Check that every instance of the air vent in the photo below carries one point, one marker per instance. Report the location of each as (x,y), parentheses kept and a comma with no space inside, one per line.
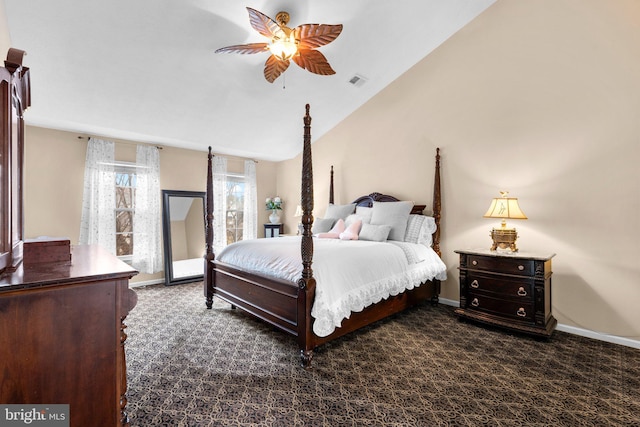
(357,80)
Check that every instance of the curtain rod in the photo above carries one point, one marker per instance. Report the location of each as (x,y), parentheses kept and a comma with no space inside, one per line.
(159,147)
(234,157)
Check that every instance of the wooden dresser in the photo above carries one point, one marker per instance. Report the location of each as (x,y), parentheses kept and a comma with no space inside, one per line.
(510,290)
(62,337)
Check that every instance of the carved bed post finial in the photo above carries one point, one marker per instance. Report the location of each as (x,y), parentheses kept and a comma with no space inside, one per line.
(437,204)
(209,255)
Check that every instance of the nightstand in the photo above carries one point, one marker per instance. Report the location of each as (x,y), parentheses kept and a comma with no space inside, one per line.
(273,230)
(510,290)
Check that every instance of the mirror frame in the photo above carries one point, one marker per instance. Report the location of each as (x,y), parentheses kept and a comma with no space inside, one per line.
(169,279)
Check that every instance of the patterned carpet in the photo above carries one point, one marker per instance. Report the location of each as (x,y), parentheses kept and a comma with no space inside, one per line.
(189,366)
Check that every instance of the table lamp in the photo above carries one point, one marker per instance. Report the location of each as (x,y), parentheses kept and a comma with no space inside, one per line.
(504,207)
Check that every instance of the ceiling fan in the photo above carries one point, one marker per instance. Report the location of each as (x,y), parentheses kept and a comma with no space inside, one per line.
(297,44)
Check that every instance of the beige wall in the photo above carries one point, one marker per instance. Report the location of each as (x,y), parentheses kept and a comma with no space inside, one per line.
(54,173)
(540,98)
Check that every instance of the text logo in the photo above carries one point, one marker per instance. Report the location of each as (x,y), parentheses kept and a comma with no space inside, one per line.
(34,415)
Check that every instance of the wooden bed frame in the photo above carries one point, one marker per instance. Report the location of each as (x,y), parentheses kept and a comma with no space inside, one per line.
(287,305)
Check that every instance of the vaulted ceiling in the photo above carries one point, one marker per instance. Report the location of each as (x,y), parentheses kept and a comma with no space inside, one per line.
(145,70)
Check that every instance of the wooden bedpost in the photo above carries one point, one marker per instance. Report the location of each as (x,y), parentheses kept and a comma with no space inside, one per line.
(307,283)
(209,255)
(437,208)
(331,187)
(437,205)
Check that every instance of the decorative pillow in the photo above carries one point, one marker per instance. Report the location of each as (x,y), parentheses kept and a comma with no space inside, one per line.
(334,233)
(420,229)
(339,211)
(394,214)
(351,232)
(375,233)
(365,213)
(322,225)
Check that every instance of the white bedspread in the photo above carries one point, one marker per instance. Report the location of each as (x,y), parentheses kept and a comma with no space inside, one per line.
(350,274)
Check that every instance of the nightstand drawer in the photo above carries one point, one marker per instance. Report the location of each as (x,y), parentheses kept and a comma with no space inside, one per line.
(517,310)
(521,289)
(503,265)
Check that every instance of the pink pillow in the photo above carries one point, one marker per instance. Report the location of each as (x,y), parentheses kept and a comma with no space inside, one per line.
(335,232)
(351,233)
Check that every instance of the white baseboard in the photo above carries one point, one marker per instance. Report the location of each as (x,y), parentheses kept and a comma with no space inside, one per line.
(451,302)
(598,336)
(573,330)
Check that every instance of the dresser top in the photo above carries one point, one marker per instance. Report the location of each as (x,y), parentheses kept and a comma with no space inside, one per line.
(541,256)
(88,262)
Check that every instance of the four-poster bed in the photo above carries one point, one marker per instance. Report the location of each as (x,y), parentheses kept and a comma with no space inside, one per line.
(287,304)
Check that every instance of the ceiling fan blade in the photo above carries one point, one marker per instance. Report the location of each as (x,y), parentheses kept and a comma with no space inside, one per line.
(315,35)
(244,48)
(274,67)
(263,24)
(313,61)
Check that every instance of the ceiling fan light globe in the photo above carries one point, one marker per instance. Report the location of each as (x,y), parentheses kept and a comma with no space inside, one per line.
(283,49)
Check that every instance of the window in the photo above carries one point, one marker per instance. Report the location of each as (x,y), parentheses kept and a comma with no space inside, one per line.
(235,207)
(125,187)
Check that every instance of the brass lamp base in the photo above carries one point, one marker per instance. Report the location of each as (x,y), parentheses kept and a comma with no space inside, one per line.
(504,238)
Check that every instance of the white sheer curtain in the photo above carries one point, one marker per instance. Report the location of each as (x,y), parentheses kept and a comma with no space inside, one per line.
(219,203)
(250,208)
(98,221)
(147,222)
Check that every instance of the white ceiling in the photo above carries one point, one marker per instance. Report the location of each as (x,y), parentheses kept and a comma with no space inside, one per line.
(145,70)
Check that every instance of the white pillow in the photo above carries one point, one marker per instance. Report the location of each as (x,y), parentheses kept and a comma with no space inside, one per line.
(339,211)
(375,233)
(394,214)
(322,225)
(365,213)
(420,229)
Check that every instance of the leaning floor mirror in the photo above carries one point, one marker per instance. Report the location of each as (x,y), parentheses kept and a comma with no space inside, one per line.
(184,238)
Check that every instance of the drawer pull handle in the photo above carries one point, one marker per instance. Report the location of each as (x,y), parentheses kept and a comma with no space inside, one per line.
(475,284)
(474,262)
(521,312)
(475,302)
(522,292)
(521,267)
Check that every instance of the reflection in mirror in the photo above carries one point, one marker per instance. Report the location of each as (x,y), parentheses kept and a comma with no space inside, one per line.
(184,239)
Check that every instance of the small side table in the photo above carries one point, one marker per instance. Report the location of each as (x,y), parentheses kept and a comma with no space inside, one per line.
(510,290)
(273,230)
